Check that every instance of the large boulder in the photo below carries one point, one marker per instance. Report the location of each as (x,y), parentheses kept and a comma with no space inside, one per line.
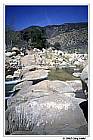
(55,86)
(84,75)
(43,88)
(47,108)
(75,84)
(22,85)
(29,68)
(50,115)
(35,75)
(84,79)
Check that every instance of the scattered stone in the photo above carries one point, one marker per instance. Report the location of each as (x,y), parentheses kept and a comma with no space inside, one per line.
(76,74)
(8,54)
(15,49)
(9,78)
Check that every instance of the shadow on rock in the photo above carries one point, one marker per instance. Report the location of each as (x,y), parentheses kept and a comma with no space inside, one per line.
(80,94)
(84,107)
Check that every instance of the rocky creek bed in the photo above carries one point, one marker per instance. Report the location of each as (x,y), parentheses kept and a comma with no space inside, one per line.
(47,102)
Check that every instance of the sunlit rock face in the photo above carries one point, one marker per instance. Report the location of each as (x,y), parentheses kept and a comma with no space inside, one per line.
(46,109)
(46,87)
(75,84)
(84,79)
(34,75)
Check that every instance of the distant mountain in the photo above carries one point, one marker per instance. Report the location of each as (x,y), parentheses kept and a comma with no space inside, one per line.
(70,36)
(54,30)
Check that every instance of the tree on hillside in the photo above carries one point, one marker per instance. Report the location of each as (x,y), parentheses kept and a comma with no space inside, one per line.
(57,46)
(35,38)
(9,37)
(13,39)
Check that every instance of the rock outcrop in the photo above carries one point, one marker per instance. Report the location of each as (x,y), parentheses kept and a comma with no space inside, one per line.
(84,79)
(84,75)
(35,75)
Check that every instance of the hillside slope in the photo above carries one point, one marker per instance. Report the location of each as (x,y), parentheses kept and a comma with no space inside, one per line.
(71,36)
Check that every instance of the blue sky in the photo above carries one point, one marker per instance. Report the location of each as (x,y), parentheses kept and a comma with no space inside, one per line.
(21,17)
